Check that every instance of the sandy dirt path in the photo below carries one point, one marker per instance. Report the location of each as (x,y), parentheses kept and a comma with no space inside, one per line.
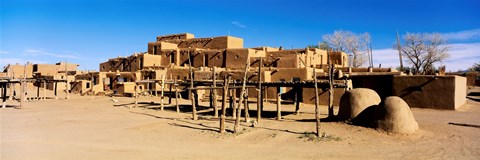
(97,128)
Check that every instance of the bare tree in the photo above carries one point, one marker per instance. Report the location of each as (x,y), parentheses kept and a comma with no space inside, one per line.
(347,41)
(475,67)
(423,50)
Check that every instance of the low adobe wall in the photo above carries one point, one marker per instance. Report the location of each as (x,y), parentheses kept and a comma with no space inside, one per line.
(438,92)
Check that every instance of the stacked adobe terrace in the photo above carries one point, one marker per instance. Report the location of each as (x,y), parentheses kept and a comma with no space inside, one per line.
(178,57)
(172,55)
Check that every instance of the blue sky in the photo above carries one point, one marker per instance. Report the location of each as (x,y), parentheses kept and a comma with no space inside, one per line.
(88,32)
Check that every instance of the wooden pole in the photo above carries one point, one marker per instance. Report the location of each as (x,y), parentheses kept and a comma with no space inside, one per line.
(279,104)
(170,93)
(245,107)
(4,95)
(55,92)
(136,95)
(11,85)
(44,89)
(234,103)
(91,86)
(22,93)
(330,92)
(66,82)
(242,94)
(162,105)
(214,78)
(297,99)
(24,86)
(38,89)
(259,96)
(176,97)
(317,109)
(224,104)
(192,95)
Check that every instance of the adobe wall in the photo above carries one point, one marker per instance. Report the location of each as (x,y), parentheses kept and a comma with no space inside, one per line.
(438,92)
(382,84)
(181,73)
(209,43)
(17,70)
(282,59)
(149,60)
(308,96)
(175,36)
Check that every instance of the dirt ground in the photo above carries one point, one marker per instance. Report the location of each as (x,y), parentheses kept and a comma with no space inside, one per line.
(85,127)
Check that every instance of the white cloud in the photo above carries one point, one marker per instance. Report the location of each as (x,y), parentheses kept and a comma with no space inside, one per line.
(462,56)
(5,61)
(41,52)
(238,24)
(463,35)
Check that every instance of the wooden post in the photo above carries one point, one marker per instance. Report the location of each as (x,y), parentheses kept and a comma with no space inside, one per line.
(24,86)
(317,109)
(91,86)
(44,89)
(176,97)
(279,104)
(330,92)
(12,88)
(234,103)
(224,104)
(11,85)
(155,89)
(38,90)
(136,95)
(22,93)
(192,95)
(215,108)
(259,96)
(170,93)
(242,94)
(4,95)
(55,92)
(245,107)
(162,105)
(297,99)
(66,82)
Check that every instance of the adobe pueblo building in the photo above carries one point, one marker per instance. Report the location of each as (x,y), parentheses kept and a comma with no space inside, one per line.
(202,66)
(178,58)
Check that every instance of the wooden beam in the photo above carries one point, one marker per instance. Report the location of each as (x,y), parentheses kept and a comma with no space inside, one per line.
(162,105)
(242,94)
(193,98)
(136,95)
(224,105)
(259,89)
(279,104)
(330,91)
(214,99)
(66,82)
(245,107)
(176,99)
(317,109)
